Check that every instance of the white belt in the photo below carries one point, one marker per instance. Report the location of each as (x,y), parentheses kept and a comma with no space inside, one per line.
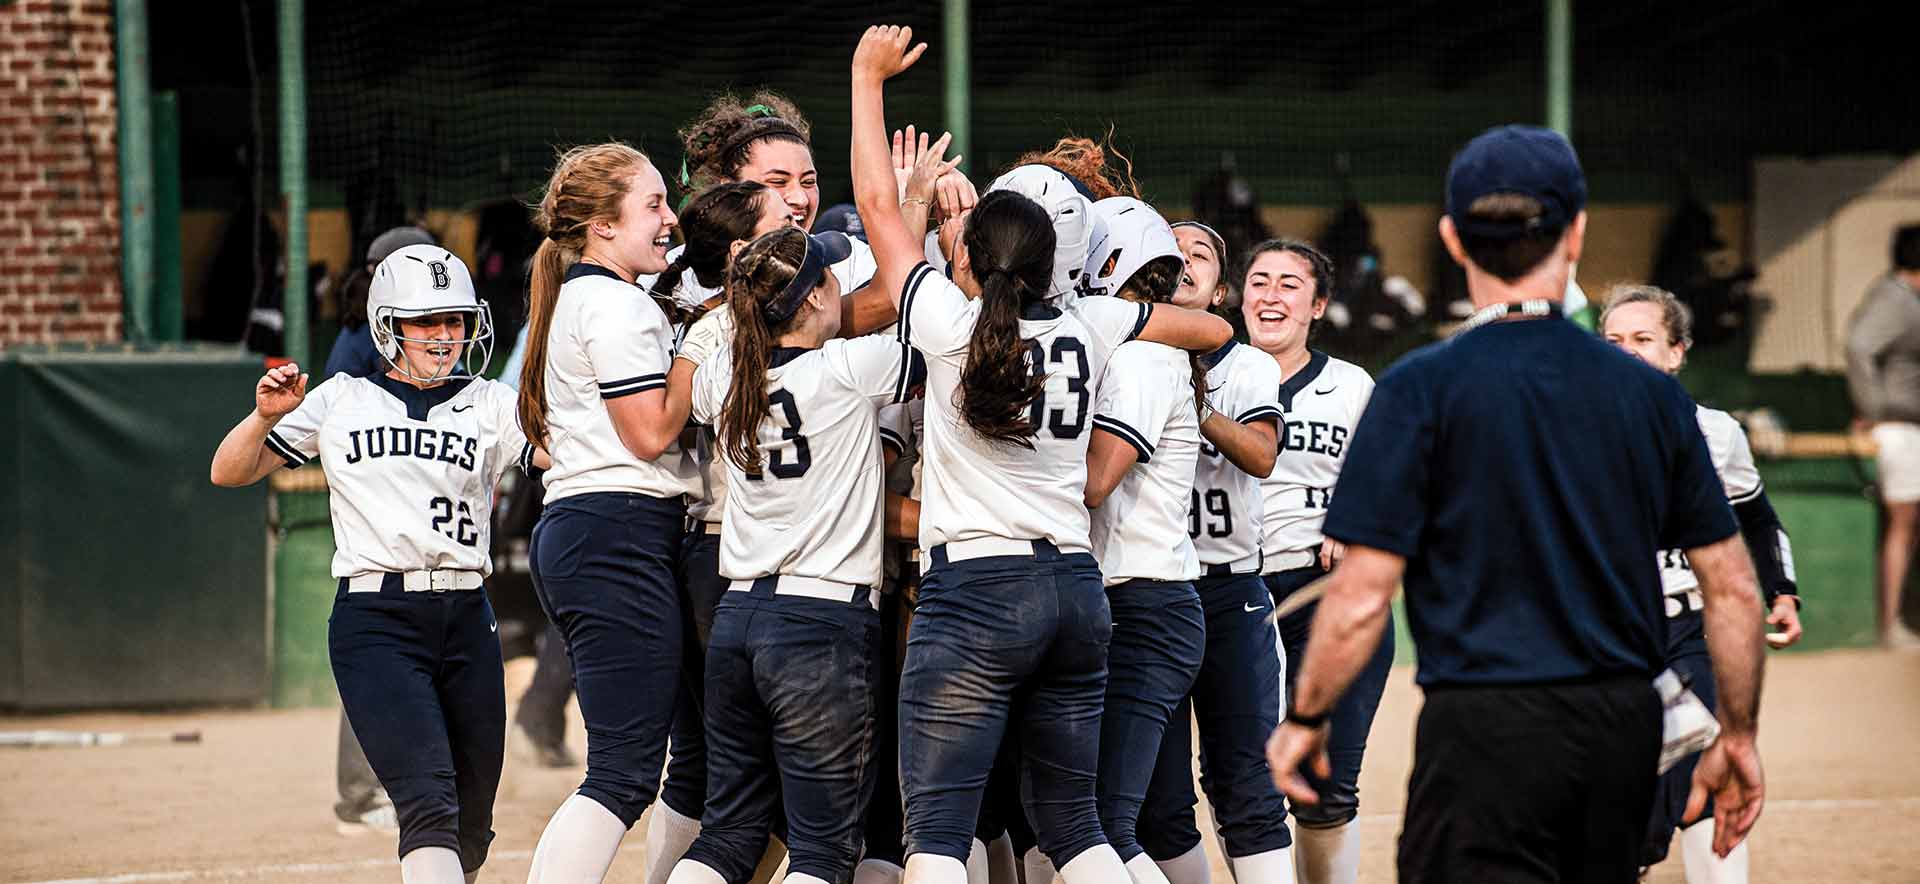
(1288,561)
(811,588)
(1680,603)
(710,528)
(418,581)
(987,547)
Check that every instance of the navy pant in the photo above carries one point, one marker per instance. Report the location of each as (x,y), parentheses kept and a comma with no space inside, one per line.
(886,818)
(1159,639)
(789,699)
(1687,657)
(1352,715)
(987,631)
(422,682)
(701,588)
(1236,700)
(603,567)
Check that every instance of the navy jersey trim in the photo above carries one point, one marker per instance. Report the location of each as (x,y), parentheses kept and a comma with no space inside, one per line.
(418,401)
(1212,359)
(526,458)
(1039,311)
(1748,497)
(1316,363)
(287,452)
(783,355)
(1140,323)
(891,439)
(914,277)
(632,385)
(913,373)
(1126,434)
(1260,413)
(582,269)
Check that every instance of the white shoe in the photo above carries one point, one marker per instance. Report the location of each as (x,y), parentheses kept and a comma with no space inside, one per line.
(1899,638)
(379,819)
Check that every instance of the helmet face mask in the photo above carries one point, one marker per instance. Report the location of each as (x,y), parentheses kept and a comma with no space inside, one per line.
(424,280)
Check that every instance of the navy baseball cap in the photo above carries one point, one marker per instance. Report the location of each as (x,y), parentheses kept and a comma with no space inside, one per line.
(1525,160)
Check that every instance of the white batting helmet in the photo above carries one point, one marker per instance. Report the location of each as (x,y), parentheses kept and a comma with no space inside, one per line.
(1132,235)
(1072,215)
(421,280)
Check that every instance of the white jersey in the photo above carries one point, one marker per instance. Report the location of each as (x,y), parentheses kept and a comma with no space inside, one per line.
(975,488)
(1225,511)
(1323,402)
(900,430)
(608,340)
(410,472)
(1146,400)
(1733,460)
(814,508)
(853,271)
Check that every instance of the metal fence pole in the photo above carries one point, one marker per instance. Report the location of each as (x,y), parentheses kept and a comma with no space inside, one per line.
(293,174)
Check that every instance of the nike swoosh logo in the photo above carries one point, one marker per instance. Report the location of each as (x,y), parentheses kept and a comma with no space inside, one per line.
(1325,391)
(460,408)
(1252,608)
(493,627)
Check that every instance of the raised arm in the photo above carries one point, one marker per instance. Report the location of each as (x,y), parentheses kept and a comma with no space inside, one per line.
(243,457)
(1195,331)
(884,51)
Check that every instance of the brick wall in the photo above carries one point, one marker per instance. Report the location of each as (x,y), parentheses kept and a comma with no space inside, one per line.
(59,178)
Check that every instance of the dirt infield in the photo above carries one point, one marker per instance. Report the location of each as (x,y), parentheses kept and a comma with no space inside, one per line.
(252,802)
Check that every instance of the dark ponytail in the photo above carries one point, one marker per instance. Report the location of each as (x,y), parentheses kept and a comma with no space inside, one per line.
(760,272)
(1009,241)
(709,226)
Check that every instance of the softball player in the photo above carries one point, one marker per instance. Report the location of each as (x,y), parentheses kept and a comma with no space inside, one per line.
(1140,468)
(1652,324)
(1011,600)
(412,457)
(789,687)
(1286,288)
(598,388)
(1236,696)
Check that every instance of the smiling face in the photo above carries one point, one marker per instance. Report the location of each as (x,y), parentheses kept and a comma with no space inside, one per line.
(1200,283)
(1640,329)
(1280,301)
(637,241)
(787,167)
(430,346)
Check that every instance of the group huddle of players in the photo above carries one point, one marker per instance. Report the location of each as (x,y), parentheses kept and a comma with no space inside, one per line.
(922,548)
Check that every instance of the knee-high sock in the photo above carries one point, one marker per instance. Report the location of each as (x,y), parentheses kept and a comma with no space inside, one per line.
(876,871)
(689,871)
(1035,868)
(929,868)
(769,862)
(431,865)
(1269,867)
(1328,856)
(1096,865)
(1703,867)
(578,845)
(1191,867)
(1002,866)
(669,834)
(1143,870)
(977,863)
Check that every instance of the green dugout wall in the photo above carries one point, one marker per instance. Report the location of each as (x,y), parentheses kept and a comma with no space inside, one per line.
(126,578)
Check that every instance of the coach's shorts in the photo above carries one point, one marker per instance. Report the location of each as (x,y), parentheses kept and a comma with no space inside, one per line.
(1899,461)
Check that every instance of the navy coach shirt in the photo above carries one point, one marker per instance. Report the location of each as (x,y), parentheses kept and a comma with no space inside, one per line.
(1530,473)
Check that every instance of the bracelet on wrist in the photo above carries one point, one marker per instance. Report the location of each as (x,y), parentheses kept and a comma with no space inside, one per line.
(916,200)
(1308,721)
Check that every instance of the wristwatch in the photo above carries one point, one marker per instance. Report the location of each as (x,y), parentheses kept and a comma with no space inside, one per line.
(1308,721)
